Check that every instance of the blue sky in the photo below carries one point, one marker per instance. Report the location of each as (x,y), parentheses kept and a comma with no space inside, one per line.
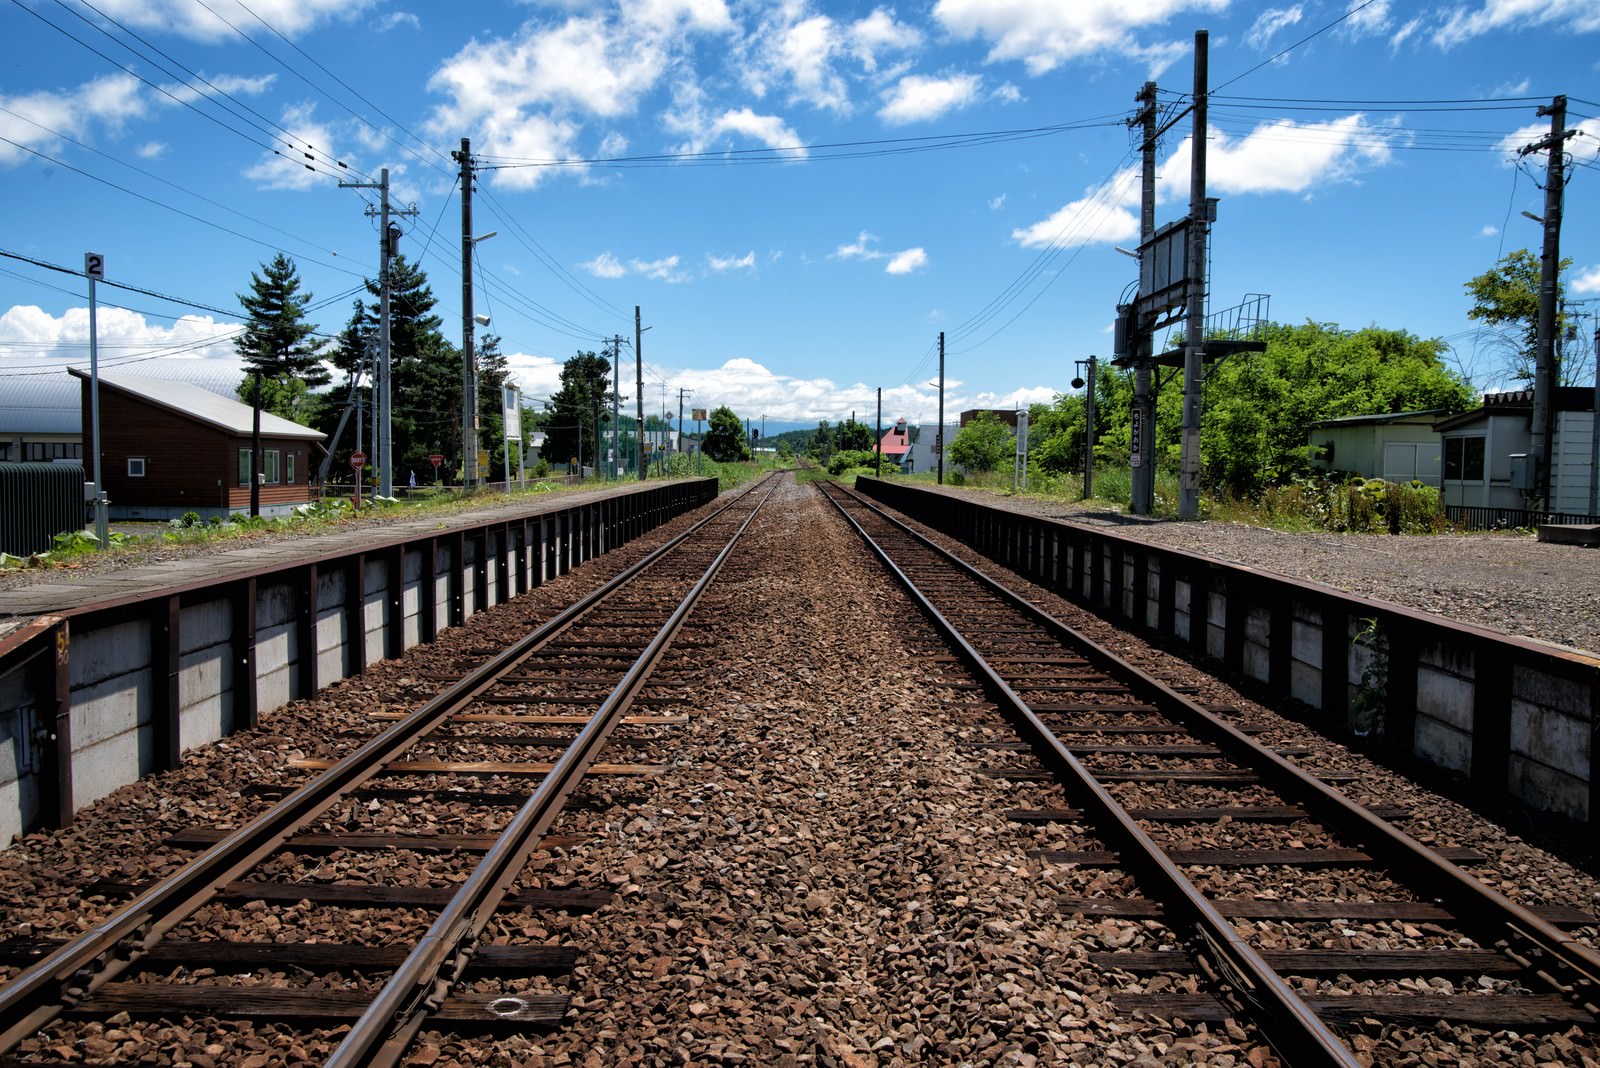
(799,195)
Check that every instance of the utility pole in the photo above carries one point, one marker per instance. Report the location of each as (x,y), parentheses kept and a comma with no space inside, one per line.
(469,366)
(638,385)
(938,438)
(388,248)
(1594,433)
(255,448)
(1142,341)
(681,394)
(616,391)
(1544,366)
(94,268)
(1195,296)
(878,448)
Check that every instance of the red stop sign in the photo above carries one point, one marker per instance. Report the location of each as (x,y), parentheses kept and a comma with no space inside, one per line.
(358,459)
(435,459)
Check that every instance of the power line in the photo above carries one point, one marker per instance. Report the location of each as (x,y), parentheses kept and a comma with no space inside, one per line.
(347,87)
(803,153)
(1279,55)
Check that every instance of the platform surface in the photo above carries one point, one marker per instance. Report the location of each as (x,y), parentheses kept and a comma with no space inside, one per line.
(56,590)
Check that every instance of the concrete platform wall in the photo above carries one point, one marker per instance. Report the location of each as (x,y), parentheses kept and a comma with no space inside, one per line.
(1515,717)
(95,698)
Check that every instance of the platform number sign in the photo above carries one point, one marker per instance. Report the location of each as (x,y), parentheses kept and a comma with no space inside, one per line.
(94,265)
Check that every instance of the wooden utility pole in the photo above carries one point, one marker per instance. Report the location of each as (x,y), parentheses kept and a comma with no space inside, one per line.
(1195,297)
(878,448)
(469,366)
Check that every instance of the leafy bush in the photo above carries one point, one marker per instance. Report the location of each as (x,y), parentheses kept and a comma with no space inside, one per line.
(848,458)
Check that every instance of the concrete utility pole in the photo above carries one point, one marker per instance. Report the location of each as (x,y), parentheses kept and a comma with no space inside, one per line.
(878,448)
(1143,341)
(638,384)
(1544,365)
(388,248)
(681,394)
(938,439)
(1195,297)
(469,366)
(616,396)
(1594,433)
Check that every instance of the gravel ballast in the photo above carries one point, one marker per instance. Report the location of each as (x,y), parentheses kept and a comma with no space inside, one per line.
(821,876)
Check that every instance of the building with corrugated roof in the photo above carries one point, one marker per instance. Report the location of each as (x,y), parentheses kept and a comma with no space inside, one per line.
(170,447)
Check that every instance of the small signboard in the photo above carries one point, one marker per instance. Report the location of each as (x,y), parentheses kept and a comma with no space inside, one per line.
(358,460)
(511,412)
(698,415)
(435,459)
(1135,456)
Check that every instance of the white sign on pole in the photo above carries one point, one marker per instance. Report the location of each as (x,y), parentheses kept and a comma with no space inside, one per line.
(511,409)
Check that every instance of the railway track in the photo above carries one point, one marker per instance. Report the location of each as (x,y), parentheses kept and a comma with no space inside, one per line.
(1316,919)
(458,780)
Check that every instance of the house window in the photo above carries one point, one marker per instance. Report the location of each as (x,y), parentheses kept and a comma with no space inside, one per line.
(288,467)
(269,467)
(45,451)
(136,467)
(1463,459)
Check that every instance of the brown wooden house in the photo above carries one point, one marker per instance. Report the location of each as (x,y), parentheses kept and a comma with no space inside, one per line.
(170,448)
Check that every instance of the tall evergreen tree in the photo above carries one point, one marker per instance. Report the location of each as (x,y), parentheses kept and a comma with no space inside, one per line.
(570,428)
(277,340)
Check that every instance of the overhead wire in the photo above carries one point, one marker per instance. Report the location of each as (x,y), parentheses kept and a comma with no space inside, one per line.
(157,87)
(343,84)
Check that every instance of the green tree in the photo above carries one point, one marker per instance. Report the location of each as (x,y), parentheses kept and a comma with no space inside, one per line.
(1507,297)
(1259,409)
(725,436)
(821,445)
(983,444)
(277,340)
(853,436)
(570,426)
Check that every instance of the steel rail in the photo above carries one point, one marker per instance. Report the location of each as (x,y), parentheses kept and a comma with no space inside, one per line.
(1570,967)
(385,1031)
(1290,1025)
(30,999)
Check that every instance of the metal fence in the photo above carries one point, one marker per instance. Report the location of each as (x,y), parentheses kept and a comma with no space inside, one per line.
(1508,518)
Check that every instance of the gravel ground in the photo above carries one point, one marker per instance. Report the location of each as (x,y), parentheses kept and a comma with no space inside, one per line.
(1503,581)
(822,876)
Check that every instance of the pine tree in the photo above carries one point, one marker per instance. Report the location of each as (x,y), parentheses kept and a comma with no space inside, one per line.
(277,340)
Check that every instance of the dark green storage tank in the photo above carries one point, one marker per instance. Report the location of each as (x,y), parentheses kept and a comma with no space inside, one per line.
(37,502)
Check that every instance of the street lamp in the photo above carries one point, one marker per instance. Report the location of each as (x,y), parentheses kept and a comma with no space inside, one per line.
(1092,365)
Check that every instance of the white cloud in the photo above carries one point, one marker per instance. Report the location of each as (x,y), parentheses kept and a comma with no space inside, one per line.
(152,149)
(1106,215)
(859,249)
(192,20)
(1270,23)
(1464,22)
(1587,281)
(917,98)
(688,118)
(231,84)
(1278,157)
(1584,148)
(806,54)
(108,101)
(1007,94)
(996,203)
(1369,21)
(33,340)
(396,19)
(1044,34)
(1489,230)
(288,168)
(878,33)
(747,262)
(907,261)
(612,145)
(605,265)
(1284,157)
(1405,33)
(527,95)
(662,270)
